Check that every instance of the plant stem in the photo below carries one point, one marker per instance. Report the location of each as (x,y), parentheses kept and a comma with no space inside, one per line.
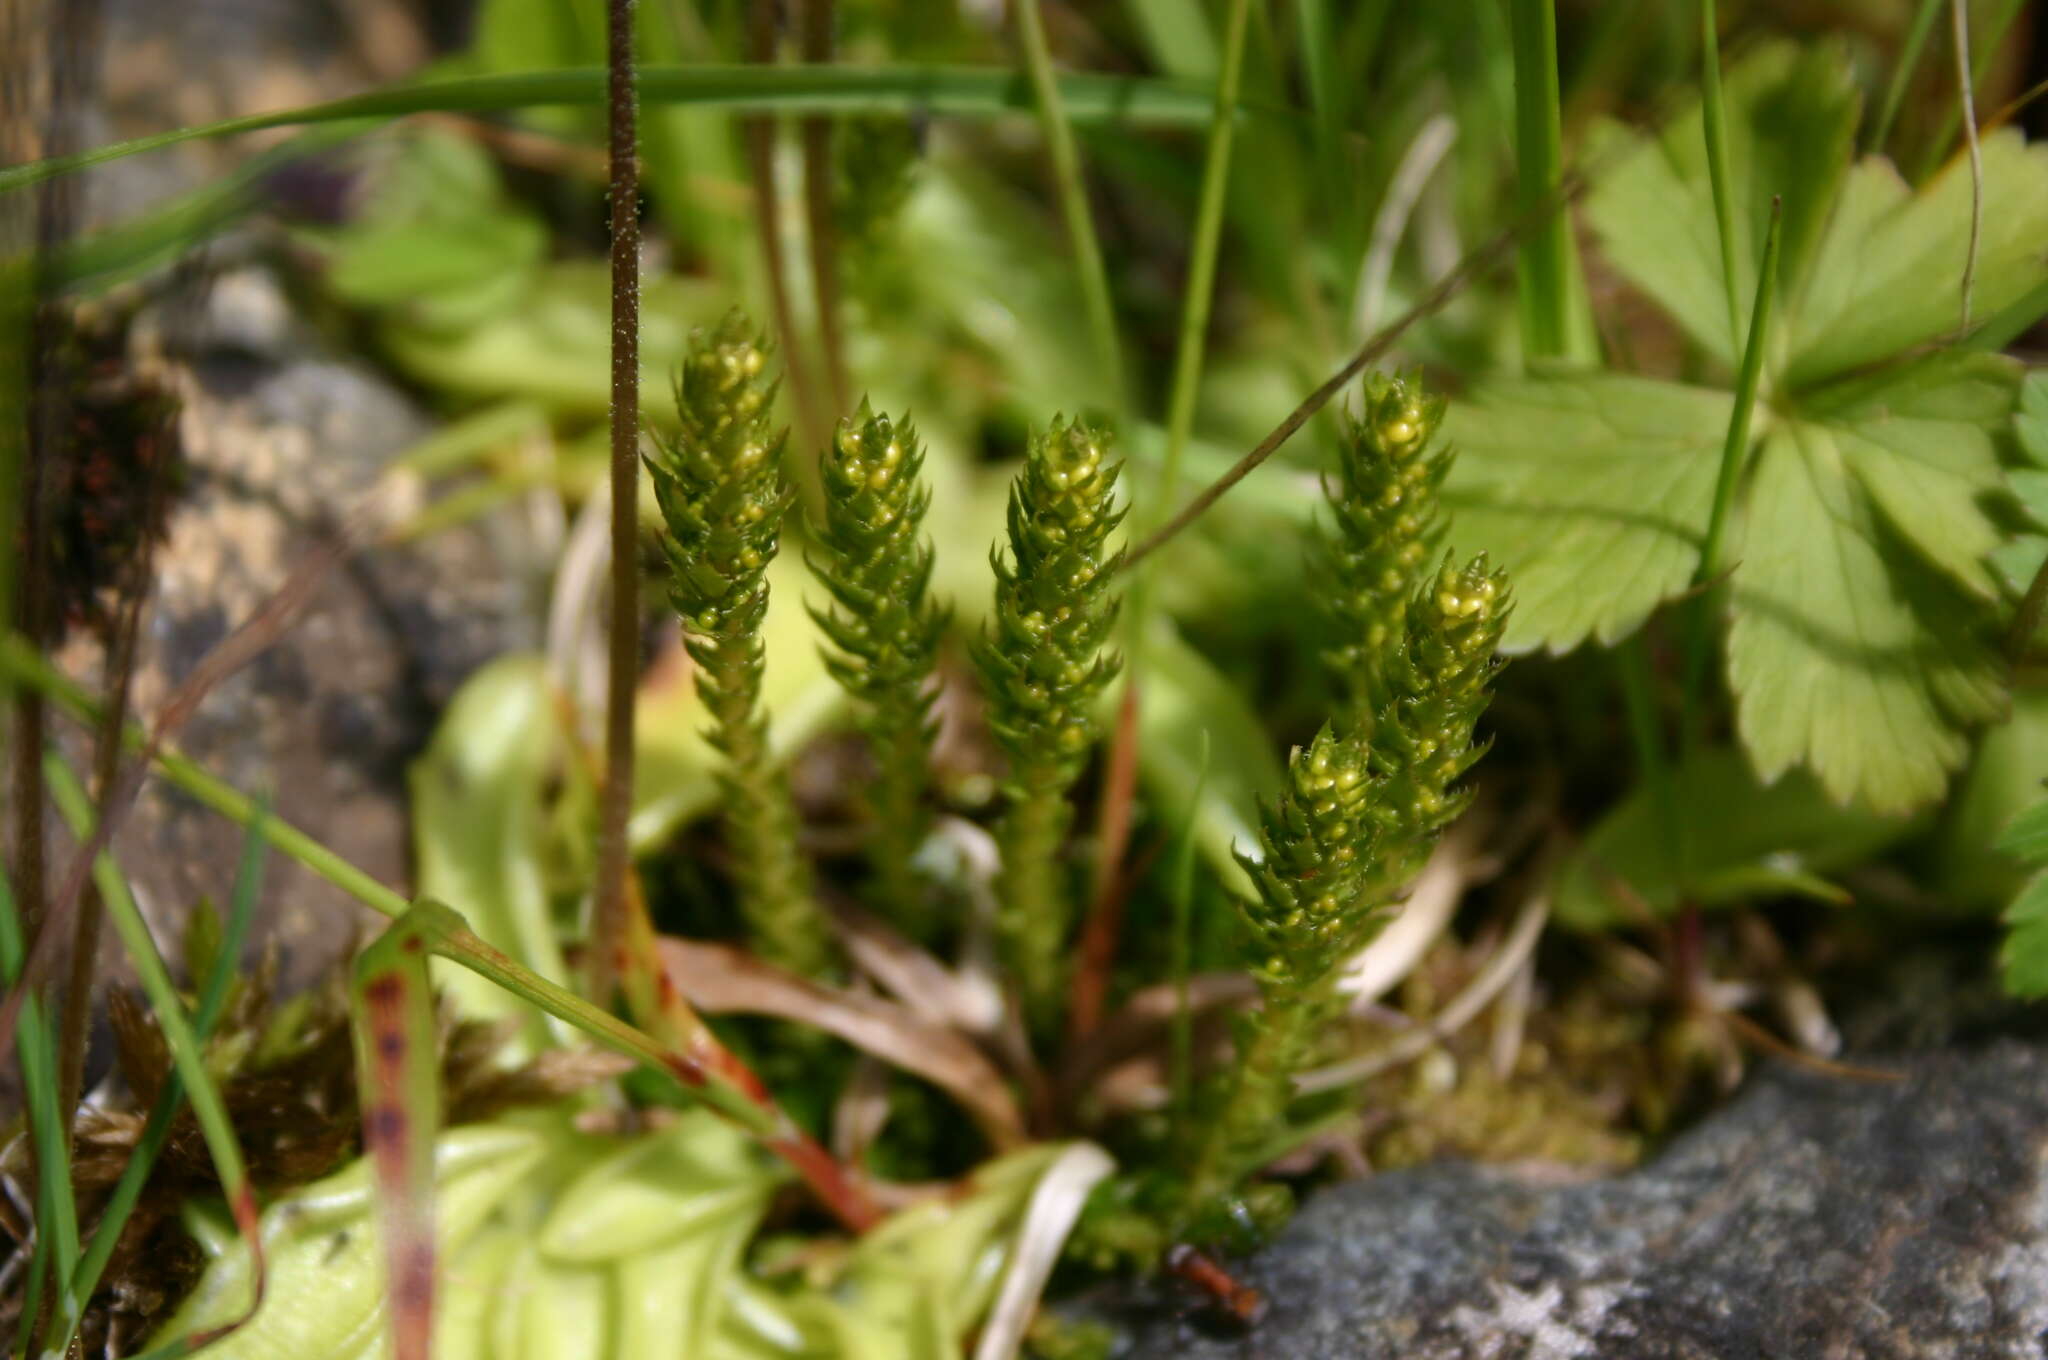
(1734,451)
(821,220)
(1550,326)
(213,994)
(1073,194)
(1653,768)
(1967,101)
(1715,125)
(1181,1060)
(623,661)
(1201,281)
(1902,74)
(1993,35)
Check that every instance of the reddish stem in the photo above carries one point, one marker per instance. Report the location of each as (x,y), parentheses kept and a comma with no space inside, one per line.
(1106,896)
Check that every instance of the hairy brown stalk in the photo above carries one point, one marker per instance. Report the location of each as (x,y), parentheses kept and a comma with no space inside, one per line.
(608,925)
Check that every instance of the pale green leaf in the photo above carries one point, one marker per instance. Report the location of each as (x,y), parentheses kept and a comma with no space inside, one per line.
(696,1174)
(1593,491)
(476,819)
(1888,272)
(1183,697)
(325,1284)
(1846,654)
(2027,835)
(1967,868)
(1791,117)
(2030,423)
(1739,840)
(2023,958)
(1925,448)
(2030,488)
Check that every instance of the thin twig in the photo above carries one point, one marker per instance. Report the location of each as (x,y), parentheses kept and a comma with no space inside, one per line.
(608,927)
(1960,12)
(1108,890)
(1432,302)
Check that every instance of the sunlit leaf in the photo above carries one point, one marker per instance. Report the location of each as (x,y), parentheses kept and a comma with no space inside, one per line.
(1185,696)
(477,823)
(1593,491)
(1845,653)
(326,1287)
(1887,275)
(1791,118)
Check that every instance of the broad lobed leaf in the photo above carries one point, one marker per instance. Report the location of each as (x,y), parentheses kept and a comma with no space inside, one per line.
(1591,490)
(1861,608)
(1846,653)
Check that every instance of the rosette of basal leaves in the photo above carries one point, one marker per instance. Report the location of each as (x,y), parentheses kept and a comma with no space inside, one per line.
(1860,609)
(722,494)
(1352,825)
(885,631)
(1041,663)
(1385,530)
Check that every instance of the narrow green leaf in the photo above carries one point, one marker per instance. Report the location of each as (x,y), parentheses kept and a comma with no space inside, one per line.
(186,1053)
(957,90)
(1902,73)
(1554,321)
(1178,37)
(213,983)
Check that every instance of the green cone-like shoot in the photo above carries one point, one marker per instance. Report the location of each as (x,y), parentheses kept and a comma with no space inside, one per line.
(885,631)
(1041,662)
(1384,531)
(720,487)
(1353,824)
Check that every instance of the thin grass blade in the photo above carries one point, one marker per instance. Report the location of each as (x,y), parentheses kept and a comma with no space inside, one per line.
(957,90)
(213,993)
(186,1052)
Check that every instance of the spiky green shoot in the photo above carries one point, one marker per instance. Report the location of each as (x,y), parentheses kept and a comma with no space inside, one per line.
(722,494)
(885,631)
(1353,824)
(1041,663)
(1385,531)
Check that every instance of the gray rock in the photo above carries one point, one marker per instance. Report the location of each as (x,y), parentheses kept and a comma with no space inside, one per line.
(283,439)
(1813,1217)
